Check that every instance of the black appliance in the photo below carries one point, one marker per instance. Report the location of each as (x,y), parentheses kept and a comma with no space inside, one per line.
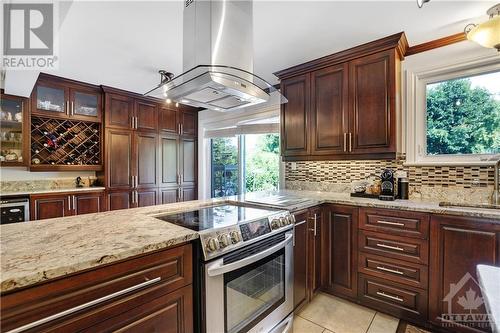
(387,187)
(14,210)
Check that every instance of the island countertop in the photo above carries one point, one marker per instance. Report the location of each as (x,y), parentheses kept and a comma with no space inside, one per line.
(36,251)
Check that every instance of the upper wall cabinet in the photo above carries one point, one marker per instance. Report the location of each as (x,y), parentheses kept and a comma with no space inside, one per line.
(179,120)
(57,97)
(343,106)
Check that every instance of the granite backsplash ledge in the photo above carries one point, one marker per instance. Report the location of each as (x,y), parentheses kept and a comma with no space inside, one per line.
(435,183)
(42,184)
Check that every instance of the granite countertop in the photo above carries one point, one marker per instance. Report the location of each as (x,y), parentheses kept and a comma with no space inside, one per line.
(317,197)
(489,277)
(50,191)
(33,252)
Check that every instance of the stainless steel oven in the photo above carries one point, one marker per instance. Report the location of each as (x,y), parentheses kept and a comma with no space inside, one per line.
(251,289)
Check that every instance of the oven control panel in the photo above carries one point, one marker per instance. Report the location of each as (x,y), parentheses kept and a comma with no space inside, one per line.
(227,239)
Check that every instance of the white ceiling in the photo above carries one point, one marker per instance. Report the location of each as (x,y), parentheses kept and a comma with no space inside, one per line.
(123,44)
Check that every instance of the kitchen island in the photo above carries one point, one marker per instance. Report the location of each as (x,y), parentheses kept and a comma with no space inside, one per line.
(89,254)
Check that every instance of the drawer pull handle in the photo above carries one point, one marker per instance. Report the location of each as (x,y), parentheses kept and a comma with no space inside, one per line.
(399,224)
(395,271)
(83,306)
(397,248)
(396,298)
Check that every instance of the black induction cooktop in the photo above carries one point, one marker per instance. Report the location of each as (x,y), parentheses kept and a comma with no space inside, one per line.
(215,216)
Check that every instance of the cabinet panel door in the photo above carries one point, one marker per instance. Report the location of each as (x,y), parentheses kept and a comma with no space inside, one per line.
(147,115)
(188,123)
(329,110)
(87,203)
(169,160)
(167,120)
(339,244)
(86,104)
(188,193)
(314,251)
(50,99)
(119,200)
(119,111)
(295,116)
(187,159)
(146,159)
(372,102)
(458,245)
(49,206)
(169,195)
(300,282)
(119,158)
(147,197)
(170,313)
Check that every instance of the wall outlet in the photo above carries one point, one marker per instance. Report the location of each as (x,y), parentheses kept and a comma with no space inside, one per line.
(294,166)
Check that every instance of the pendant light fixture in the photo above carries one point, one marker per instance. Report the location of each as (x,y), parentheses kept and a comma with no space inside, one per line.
(420,3)
(486,34)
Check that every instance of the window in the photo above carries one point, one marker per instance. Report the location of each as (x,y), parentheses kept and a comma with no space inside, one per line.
(463,115)
(453,113)
(244,163)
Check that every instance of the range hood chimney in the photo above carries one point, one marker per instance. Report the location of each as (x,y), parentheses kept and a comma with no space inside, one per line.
(217,58)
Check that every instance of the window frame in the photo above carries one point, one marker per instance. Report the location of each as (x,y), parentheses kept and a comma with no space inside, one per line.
(416,117)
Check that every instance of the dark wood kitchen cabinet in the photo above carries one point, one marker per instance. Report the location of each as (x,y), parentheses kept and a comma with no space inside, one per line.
(458,245)
(329,105)
(178,120)
(145,159)
(146,115)
(372,95)
(119,110)
(295,116)
(146,293)
(300,267)
(59,97)
(52,205)
(343,106)
(119,159)
(314,251)
(339,255)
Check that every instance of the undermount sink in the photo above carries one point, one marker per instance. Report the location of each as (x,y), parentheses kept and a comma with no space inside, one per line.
(466,205)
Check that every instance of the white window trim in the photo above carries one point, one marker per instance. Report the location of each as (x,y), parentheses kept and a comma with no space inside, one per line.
(415,84)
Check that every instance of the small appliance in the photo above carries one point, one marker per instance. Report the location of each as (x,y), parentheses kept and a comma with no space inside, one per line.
(387,185)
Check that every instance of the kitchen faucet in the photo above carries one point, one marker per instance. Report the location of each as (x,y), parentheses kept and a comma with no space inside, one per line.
(496,189)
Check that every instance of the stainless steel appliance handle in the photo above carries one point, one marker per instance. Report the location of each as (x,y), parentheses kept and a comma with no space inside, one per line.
(285,324)
(83,306)
(221,268)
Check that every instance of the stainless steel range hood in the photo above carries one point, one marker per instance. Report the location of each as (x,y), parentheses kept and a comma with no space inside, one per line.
(217,58)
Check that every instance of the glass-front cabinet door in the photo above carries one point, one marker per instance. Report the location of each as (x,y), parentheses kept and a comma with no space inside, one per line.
(50,100)
(85,105)
(12,129)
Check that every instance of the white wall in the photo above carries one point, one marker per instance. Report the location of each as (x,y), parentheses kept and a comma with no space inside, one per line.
(21,173)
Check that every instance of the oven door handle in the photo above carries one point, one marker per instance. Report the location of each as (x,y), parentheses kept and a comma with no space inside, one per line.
(219,268)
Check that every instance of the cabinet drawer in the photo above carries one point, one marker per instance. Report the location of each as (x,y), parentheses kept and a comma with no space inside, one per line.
(404,223)
(395,270)
(86,294)
(398,300)
(409,249)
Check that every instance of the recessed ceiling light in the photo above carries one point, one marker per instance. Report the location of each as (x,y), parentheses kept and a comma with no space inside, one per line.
(184,101)
(168,100)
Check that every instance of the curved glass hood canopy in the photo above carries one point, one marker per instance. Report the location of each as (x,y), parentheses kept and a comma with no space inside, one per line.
(216,87)
(218,59)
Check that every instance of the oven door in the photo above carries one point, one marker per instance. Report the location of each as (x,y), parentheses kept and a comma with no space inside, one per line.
(251,289)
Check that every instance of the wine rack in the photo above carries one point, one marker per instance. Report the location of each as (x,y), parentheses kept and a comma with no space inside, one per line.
(58,144)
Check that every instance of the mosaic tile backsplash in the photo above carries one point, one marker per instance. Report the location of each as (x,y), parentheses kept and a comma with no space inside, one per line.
(442,183)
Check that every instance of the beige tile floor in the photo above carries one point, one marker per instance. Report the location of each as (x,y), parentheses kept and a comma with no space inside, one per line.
(329,314)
